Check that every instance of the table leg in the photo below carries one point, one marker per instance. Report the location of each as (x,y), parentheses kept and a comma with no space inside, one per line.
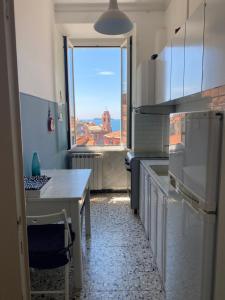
(87,214)
(77,247)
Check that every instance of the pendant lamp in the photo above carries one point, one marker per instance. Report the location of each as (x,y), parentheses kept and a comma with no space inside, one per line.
(113,21)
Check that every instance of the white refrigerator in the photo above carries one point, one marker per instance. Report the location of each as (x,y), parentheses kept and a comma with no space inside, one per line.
(194,169)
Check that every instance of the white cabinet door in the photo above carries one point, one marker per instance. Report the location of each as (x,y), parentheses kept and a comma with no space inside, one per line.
(214,45)
(163,74)
(177,66)
(194,52)
(193,5)
(154,203)
(159,78)
(146,205)
(142,193)
(149,208)
(160,233)
(144,199)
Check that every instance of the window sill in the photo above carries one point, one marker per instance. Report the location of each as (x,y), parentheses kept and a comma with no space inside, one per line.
(98,149)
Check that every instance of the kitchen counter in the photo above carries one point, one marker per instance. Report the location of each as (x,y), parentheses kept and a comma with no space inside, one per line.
(162,181)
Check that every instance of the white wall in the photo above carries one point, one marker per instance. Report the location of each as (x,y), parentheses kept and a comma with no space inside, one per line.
(60,94)
(35,47)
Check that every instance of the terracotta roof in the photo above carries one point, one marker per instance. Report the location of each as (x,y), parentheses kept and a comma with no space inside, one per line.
(114,134)
(82,140)
(95,128)
(91,141)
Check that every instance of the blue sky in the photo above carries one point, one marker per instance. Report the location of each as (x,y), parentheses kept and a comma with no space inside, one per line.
(97,82)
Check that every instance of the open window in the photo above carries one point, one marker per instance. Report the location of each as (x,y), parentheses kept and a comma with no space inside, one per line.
(69,80)
(126,96)
(98,95)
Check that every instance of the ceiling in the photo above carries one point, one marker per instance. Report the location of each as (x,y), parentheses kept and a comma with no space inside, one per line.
(126,2)
(106,1)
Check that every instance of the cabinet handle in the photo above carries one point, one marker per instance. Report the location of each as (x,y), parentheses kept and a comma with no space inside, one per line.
(154,56)
(177,30)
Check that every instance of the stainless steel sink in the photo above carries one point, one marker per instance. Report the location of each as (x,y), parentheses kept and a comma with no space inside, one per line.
(160,170)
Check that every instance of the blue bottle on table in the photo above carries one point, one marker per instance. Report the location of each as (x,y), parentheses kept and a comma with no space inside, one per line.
(36,166)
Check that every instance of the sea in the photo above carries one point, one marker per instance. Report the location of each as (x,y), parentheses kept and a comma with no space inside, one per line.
(115,123)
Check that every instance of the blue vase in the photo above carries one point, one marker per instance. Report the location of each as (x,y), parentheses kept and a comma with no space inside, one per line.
(36,166)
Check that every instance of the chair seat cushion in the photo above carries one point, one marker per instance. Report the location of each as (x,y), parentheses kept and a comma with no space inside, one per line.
(47,246)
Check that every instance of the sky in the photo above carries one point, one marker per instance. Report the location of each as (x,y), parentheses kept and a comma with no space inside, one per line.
(97,73)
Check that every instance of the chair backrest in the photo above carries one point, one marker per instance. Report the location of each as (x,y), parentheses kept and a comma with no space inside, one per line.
(59,217)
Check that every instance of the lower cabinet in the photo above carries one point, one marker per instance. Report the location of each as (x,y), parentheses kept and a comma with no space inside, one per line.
(146,218)
(144,199)
(160,258)
(153,217)
(142,194)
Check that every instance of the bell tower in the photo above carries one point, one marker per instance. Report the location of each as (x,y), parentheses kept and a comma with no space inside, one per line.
(106,121)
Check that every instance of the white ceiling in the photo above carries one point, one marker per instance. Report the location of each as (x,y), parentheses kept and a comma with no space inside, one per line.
(105,1)
(164,2)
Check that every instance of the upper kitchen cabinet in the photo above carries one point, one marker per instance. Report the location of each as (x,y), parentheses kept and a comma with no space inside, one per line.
(193,5)
(214,43)
(145,84)
(194,52)
(176,15)
(163,75)
(177,67)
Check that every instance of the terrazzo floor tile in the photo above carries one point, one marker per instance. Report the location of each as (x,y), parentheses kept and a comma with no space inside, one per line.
(118,262)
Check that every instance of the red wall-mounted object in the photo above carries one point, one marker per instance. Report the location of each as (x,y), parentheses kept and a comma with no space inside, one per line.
(51,123)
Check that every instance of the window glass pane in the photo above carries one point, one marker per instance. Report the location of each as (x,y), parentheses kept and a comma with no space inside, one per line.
(98,96)
(71,96)
(124,97)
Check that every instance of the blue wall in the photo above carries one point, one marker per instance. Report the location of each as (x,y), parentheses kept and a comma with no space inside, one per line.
(51,146)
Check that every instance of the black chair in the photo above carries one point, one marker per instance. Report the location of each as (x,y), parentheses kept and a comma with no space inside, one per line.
(50,239)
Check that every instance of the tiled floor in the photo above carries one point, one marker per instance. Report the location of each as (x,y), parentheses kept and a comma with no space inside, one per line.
(117,259)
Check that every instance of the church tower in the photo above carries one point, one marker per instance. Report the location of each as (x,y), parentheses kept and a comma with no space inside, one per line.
(106,121)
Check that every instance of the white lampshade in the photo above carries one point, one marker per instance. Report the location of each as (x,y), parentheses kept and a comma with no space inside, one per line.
(113,21)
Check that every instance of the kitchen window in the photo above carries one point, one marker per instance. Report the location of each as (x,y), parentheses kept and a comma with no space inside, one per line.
(98,97)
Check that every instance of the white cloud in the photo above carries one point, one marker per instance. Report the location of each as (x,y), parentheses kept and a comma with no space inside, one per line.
(105,73)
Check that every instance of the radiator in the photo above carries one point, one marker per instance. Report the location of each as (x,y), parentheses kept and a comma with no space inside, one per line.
(92,161)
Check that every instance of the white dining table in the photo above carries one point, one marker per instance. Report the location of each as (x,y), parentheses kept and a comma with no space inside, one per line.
(68,189)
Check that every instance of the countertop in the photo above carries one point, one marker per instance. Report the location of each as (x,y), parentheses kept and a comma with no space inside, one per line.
(162,181)
(153,155)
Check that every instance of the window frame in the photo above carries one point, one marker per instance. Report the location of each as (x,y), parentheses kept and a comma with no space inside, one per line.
(67,44)
(100,44)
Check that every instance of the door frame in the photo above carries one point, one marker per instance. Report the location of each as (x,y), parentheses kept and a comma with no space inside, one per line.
(14,271)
